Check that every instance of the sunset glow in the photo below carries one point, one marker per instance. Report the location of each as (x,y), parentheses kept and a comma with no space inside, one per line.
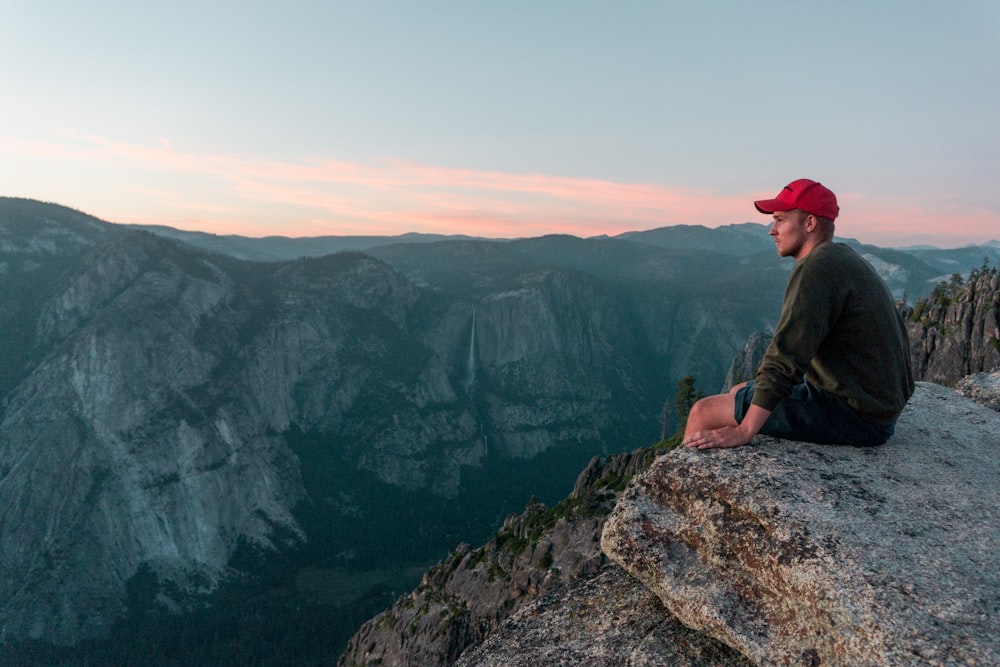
(551,137)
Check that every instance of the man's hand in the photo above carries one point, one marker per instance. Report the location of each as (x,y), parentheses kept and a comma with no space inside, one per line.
(720,438)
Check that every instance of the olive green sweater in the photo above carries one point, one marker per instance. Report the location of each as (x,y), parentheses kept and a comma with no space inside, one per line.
(839,328)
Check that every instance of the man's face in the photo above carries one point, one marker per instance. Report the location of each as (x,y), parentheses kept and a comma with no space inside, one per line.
(789,232)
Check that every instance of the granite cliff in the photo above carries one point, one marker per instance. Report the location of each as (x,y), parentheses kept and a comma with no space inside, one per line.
(799,554)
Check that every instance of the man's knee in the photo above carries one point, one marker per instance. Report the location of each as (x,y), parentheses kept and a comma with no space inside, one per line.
(694,413)
(694,420)
(711,412)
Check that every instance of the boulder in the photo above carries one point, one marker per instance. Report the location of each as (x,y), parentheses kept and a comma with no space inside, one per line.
(800,554)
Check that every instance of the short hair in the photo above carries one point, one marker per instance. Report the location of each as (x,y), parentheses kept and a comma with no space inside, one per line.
(825,226)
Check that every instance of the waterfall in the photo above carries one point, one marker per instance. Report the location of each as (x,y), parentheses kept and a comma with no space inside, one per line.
(471,366)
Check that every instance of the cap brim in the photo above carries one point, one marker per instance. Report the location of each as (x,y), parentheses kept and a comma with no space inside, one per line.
(772,205)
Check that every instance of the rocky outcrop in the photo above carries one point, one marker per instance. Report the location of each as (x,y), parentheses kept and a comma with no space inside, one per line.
(956,331)
(798,554)
(597,619)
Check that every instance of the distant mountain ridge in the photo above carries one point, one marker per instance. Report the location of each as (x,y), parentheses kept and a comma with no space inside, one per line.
(739,240)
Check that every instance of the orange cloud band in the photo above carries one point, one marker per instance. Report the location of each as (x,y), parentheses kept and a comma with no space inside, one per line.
(227,193)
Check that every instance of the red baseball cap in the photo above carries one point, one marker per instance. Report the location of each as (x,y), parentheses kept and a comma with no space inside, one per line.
(805,195)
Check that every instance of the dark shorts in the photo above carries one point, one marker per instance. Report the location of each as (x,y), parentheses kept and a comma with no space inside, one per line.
(811,414)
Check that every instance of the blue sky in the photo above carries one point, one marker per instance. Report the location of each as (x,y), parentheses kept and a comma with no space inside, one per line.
(504,119)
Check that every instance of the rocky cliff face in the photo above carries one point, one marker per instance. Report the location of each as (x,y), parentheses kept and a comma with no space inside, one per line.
(108,458)
(149,430)
(744,366)
(956,331)
(778,553)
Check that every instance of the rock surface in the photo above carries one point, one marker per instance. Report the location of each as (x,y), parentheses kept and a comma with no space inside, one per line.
(783,508)
(799,554)
(607,620)
(983,388)
(956,331)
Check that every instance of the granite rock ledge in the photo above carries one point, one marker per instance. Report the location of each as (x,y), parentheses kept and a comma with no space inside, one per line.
(799,554)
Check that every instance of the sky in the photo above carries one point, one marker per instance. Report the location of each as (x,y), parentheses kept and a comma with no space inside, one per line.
(504,119)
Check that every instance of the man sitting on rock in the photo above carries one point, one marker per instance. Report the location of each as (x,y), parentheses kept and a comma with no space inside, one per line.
(837,370)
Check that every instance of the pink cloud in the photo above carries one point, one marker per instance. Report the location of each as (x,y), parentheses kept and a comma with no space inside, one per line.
(435,198)
(162,183)
(899,222)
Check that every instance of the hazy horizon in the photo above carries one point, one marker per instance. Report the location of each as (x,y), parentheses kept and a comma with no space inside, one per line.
(838,237)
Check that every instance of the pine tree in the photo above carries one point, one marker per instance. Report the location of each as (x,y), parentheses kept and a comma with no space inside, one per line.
(687,395)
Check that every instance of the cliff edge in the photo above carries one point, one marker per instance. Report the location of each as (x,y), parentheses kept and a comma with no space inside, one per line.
(798,554)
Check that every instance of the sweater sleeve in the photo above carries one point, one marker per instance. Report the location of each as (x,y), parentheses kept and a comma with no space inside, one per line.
(810,307)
